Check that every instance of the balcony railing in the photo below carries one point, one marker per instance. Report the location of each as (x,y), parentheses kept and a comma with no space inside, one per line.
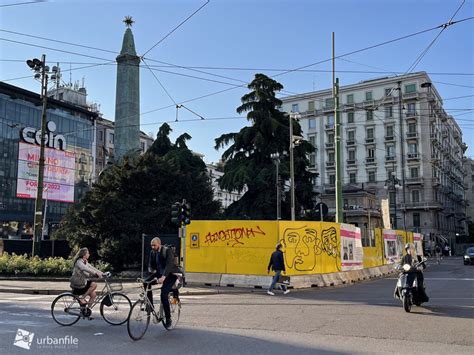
(351,161)
(412,135)
(329,145)
(389,138)
(369,140)
(351,142)
(390,158)
(413,156)
(411,114)
(370,161)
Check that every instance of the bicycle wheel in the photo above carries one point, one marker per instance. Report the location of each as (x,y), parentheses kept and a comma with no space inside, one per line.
(175,311)
(138,320)
(66,309)
(115,308)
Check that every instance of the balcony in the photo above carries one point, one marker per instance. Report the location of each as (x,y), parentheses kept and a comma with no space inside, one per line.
(370,161)
(351,161)
(369,140)
(329,108)
(411,96)
(413,156)
(389,138)
(329,126)
(411,114)
(368,103)
(423,205)
(412,135)
(390,158)
(350,142)
(329,145)
(414,181)
(436,181)
(330,164)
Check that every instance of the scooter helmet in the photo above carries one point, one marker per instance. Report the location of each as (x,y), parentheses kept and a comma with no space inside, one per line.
(409,246)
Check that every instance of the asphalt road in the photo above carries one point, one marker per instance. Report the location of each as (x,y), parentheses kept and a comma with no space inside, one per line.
(361,318)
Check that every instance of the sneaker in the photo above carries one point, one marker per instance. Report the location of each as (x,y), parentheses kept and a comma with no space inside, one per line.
(168,323)
(286,292)
(270,293)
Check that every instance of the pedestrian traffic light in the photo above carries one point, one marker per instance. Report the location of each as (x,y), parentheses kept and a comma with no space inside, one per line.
(176,213)
(186,207)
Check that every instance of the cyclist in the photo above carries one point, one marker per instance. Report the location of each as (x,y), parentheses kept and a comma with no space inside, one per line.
(162,265)
(79,282)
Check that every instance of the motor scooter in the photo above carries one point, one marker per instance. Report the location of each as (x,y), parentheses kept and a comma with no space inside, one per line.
(407,289)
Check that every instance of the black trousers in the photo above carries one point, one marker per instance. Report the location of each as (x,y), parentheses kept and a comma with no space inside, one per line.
(165,290)
(420,280)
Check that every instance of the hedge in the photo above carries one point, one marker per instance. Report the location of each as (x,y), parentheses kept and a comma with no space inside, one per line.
(18,265)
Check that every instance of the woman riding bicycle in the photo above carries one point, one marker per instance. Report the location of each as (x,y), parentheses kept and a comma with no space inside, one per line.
(82,271)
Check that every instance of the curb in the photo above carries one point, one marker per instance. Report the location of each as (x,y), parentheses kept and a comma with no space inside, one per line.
(59,291)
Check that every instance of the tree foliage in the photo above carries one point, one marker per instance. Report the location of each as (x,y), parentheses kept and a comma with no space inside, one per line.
(135,197)
(247,160)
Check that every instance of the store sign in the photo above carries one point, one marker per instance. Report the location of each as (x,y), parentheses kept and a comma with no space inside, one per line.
(33,136)
(59,173)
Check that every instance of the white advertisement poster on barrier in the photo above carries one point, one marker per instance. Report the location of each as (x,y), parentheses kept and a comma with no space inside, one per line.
(393,246)
(59,173)
(418,241)
(352,253)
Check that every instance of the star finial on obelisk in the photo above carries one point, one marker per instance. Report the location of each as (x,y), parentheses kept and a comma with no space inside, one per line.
(128,21)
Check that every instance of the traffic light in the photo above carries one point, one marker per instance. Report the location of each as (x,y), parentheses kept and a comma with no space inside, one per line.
(176,213)
(186,207)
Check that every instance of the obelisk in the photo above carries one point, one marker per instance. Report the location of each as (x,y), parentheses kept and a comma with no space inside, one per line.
(127,98)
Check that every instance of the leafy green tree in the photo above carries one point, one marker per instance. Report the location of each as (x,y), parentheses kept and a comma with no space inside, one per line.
(135,197)
(247,156)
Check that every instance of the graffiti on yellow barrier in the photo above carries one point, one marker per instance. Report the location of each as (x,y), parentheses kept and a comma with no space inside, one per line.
(234,236)
(302,245)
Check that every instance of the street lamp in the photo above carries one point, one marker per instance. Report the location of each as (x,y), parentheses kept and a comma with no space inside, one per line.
(41,71)
(392,184)
(293,139)
(276,160)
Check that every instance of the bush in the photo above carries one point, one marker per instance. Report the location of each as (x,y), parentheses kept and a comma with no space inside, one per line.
(23,265)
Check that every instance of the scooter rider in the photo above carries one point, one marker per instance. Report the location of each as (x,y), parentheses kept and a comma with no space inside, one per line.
(411,258)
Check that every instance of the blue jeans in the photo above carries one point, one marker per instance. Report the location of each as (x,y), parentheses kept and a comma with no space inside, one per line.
(275,280)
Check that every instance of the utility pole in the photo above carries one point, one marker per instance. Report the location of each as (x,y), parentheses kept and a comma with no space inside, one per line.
(292,165)
(402,147)
(42,71)
(337,138)
(276,160)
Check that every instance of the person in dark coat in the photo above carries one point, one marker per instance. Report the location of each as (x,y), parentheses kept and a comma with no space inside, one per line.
(411,258)
(162,265)
(277,264)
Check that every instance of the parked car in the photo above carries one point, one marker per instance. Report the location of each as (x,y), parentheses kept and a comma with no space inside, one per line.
(469,256)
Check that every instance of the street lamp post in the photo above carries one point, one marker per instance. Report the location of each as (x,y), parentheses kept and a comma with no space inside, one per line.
(292,116)
(392,184)
(276,160)
(41,72)
(45,212)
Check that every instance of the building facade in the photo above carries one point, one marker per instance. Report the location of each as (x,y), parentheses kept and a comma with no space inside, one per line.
(393,129)
(20,120)
(225,197)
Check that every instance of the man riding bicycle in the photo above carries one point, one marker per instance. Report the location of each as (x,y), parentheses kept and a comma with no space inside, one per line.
(162,265)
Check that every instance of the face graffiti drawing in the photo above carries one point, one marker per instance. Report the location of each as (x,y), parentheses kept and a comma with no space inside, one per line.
(300,246)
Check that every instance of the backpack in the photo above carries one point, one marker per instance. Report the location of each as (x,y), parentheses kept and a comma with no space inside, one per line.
(173,252)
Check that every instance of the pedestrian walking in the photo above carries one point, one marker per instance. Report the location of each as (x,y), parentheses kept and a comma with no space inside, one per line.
(277,264)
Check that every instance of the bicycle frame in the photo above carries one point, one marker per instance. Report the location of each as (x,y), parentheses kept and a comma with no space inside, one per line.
(144,298)
(100,296)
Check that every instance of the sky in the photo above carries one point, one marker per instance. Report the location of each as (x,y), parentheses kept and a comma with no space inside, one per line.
(206,62)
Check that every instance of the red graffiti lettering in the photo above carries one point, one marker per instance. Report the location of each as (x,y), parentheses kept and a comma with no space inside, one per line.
(233,236)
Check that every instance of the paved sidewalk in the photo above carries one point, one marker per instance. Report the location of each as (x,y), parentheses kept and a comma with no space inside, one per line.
(57,287)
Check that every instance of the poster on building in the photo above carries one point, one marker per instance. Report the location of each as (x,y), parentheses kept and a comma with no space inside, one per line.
(393,246)
(352,253)
(59,173)
(418,241)
(385,213)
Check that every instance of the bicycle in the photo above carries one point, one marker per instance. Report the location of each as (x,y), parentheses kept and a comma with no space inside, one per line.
(142,310)
(66,309)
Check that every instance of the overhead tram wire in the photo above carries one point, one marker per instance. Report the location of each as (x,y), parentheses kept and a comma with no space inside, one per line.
(23,3)
(174,29)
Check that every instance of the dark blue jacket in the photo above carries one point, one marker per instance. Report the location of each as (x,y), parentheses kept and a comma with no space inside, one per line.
(276,261)
(167,262)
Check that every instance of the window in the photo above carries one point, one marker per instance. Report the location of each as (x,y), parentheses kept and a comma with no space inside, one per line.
(415,196)
(411,108)
(412,127)
(370,133)
(352,154)
(310,105)
(101,136)
(368,95)
(142,145)
(410,88)
(370,115)
(329,103)
(371,153)
(312,123)
(330,138)
(352,178)
(389,131)
(295,108)
(350,117)
(414,172)
(111,138)
(412,148)
(350,98)
(388,111)
(312,160)
(330,120)
(332,179)
(388,92)
(331,157)
(390,150)
(312,139)
(350,135)
(392,198)
(371,176)
(416,220)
